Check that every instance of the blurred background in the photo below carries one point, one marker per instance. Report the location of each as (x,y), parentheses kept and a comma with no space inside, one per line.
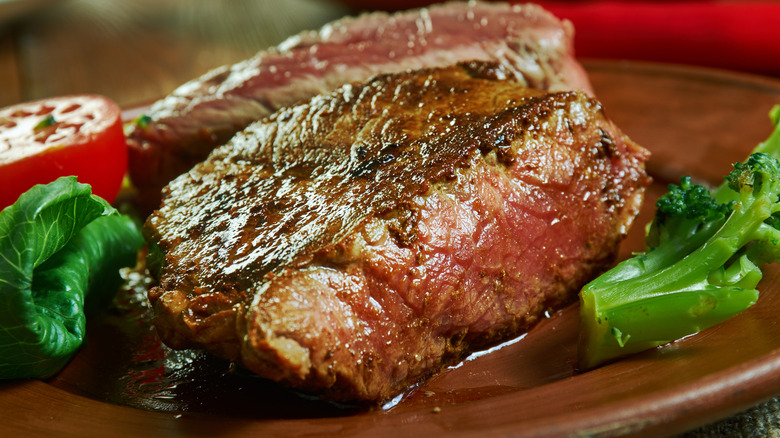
(134,51)
(137,50)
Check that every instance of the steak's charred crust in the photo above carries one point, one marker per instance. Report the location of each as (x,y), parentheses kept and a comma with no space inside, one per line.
(357,243)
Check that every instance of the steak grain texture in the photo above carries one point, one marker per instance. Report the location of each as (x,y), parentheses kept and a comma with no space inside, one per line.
(356,244)
(204,113)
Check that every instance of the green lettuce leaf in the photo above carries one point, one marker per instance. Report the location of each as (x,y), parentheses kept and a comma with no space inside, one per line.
(61,249)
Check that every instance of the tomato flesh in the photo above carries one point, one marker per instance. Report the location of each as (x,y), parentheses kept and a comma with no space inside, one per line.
(78,135)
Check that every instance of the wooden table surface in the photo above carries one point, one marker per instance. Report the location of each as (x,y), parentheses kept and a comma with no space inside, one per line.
(134,51)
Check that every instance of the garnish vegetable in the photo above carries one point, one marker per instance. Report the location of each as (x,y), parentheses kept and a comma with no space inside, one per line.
(78,135)
(701,265)
(61,249)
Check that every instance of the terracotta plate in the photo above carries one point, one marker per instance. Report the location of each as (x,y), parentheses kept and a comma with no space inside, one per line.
(124,383)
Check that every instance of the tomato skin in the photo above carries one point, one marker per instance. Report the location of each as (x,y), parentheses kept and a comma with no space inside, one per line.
(88,142)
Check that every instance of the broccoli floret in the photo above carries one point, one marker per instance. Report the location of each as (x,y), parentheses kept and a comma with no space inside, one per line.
(770,146)
(700,267)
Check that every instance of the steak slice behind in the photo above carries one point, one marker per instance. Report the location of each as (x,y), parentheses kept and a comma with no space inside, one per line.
(205,112)
(354,245)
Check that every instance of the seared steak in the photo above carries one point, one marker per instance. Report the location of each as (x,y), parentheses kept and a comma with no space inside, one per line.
(356,244)
(207,111)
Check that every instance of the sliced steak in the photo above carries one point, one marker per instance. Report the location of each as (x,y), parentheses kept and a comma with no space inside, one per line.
(356,244)
(204,113)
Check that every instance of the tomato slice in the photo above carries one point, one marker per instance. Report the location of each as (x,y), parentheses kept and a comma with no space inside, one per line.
(77,135)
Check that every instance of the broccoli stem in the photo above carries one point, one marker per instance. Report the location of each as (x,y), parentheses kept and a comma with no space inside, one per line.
(624,316)
(701,266)
(737,231)
(665,317)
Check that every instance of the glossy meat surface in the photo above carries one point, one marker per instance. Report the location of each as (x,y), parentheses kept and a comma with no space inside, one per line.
(204,113)
(356,244)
